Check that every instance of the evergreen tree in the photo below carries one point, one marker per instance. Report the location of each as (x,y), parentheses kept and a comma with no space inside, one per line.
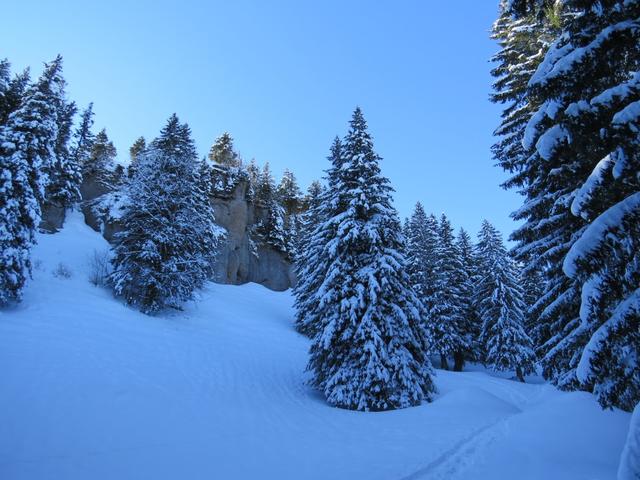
(223,153)
(523,41)
(101,163)
(165,251)
(585,209)
(469,323)
(290,198)
(421,247)
(290,194)
(445,313)
(27,149)
(499,300)
(65,174)
(369,352)
(271,227)
(548,229)
(83,138)
(311,263)
(138,148)
(12,90)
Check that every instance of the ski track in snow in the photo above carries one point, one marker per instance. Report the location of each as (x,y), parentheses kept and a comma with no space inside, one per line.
(93,389)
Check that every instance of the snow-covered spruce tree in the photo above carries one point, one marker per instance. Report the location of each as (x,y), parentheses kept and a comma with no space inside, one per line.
(467,311)
(271,228)
(65,174)
(290,198)
(100,165)
(138,147)
(499,300)
(165,251)
(421,250)
(83,138)
(369,352)
(629,468)
(523,41)
(548,228)
(27,149)
(223,153)
(445,314)
(311,263)
(586,135)
(12,90)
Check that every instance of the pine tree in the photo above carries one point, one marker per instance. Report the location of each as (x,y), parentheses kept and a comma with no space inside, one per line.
(27,149)
(523,41)
(421,249)
(499,300)
(445,313)
(592,77)
(101,163)
(290,198)
(83,138)
(548,229)
(311,263)
(138,148)
(581,210)
(223,153)
(370,352)
(166,249)
(12,90)
(467,310)
(271,227)
(65,174)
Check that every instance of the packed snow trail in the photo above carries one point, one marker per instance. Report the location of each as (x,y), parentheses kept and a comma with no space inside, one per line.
(92,389)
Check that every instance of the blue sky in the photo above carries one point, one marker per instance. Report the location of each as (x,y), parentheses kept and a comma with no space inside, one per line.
(283,77)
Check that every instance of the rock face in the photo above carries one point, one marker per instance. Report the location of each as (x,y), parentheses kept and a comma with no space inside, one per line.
(242,259)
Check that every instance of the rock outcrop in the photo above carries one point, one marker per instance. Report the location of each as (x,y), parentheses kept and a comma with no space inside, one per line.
(242,256)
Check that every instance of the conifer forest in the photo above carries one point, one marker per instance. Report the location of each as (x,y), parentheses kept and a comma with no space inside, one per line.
(173,311)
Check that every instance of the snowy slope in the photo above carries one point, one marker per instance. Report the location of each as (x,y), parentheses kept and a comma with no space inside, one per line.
(92,389)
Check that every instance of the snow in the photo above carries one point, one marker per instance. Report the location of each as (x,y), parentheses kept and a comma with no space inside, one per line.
(93,389)
(595,234)
(630,461)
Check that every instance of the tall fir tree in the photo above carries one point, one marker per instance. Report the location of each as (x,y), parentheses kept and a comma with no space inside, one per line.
(548,229)
(370,350)
(27,150)
(291,199)
(166,249)
(312,265)
(137,148)
(499,298)
(12,90)
(65,174)
(223,153)
(445,313)
(581,210)
(271,228)
(469,323)
(83,138)
(590,83)
(100,164)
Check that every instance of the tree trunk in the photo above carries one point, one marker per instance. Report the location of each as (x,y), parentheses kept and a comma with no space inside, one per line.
(519,374)
(458,361)
(444,364)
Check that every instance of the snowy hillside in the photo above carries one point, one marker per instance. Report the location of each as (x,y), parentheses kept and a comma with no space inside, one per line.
(91,389)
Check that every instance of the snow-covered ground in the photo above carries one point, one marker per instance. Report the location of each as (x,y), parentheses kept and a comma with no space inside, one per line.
(90,389)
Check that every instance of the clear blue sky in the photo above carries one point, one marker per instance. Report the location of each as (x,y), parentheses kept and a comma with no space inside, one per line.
(283,77)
